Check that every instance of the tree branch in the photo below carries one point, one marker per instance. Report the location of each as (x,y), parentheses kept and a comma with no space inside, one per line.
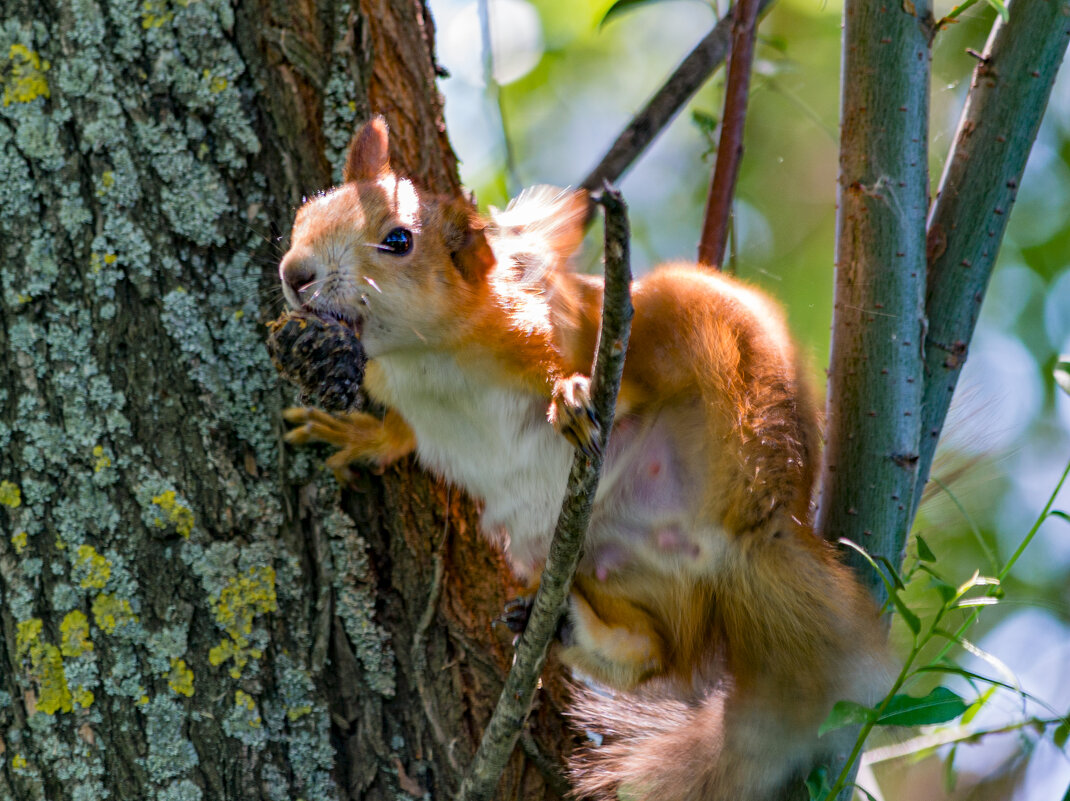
(505,726)
(1010,90)
(730,148)
(875,366)
(663,106)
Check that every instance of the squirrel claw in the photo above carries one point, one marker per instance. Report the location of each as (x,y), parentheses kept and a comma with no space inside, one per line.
(515,616)
(516,613)
(572,414)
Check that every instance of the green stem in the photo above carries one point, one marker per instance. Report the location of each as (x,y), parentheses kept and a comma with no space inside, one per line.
(972,618)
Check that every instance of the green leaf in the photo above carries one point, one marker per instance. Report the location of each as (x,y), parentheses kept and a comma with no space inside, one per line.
(893,594)
(939,706)
(953,13)
(884,560)
(1001,8)
(1062,372)
(621,7)
(977,705)
(946,591)
(925,553)
(864,792)
(817,783)
(846,713)
(904,611)
(778,43)
(1062,733)
(950,777)
(1059,513)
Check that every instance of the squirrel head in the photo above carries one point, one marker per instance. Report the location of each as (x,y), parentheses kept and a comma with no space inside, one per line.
(399,267)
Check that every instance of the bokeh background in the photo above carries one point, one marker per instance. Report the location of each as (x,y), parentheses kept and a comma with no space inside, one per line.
(544,102)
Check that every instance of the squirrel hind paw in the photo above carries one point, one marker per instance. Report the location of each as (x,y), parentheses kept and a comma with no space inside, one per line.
(572,414)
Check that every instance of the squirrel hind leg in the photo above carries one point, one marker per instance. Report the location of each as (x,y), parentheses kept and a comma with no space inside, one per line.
(611,639)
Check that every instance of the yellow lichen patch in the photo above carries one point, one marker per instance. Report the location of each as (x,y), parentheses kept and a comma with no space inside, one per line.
(19,540)
(242,599)
(102,461)
(75,633)
(180,679)
(53,694)
(181,517)
(245,597)
(10,495)
(155,14)
(26,79)
(93,568)
(83,697)
(18,762)
(46,667)
(27,635)
(295,713)
(110,612)
(110,258)
(216,83)
(243,699)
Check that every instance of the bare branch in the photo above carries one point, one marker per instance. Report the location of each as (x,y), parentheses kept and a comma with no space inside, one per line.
(875,366)
(730,149)
(663,106)
(1010,90)
(505,726)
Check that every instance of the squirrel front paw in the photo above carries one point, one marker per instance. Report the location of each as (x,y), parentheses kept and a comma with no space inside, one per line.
(572,414)
(360,437)
(515,618)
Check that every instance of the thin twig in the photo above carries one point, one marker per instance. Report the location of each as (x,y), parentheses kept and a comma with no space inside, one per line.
(664,105)
(730,149)
(501,734)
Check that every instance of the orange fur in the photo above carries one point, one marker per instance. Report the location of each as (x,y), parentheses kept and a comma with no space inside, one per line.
(703,588)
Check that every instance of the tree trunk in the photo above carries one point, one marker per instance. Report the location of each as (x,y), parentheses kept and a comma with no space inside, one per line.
(186,611)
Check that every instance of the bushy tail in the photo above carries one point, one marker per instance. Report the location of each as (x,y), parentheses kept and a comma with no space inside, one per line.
(538,231)
(657,746)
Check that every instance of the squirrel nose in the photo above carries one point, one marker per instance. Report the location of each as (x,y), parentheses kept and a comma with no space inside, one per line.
(297,271)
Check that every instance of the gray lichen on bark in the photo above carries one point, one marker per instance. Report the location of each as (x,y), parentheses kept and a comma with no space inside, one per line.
(155,601)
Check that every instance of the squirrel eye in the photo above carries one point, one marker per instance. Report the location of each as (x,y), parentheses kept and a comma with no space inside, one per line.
(398,242)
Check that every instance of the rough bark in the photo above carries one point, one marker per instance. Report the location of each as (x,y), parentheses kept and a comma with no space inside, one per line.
(185,610)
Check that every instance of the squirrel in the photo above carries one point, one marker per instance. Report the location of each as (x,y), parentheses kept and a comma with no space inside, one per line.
(722,624)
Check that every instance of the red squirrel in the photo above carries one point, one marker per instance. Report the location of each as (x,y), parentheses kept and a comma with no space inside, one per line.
(723,625)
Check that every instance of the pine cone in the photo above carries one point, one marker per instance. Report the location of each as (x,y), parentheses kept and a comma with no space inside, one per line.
(323,357)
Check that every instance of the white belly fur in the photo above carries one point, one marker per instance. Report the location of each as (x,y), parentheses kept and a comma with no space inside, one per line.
(495,443)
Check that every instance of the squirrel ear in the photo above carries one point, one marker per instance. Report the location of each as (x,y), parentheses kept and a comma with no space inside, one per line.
(368,157)
(463,233)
